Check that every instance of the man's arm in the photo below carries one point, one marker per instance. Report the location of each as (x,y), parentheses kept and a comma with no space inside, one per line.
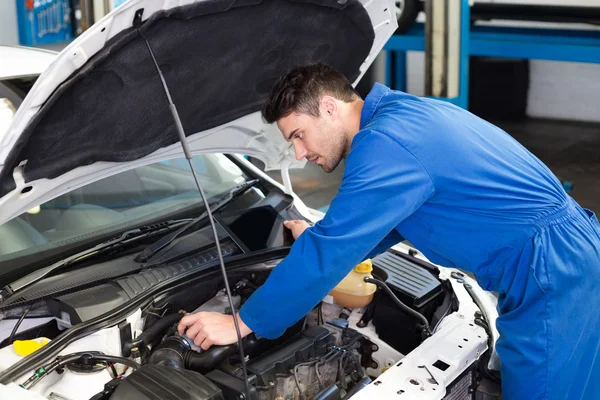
(383,184)
(394,237)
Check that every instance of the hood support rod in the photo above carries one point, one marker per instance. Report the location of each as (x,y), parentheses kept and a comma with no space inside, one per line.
(137,22)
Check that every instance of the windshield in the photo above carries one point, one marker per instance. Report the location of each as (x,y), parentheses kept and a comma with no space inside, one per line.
(117,203)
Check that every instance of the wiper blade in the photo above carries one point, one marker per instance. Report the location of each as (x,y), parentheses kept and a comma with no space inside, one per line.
(124,239)
(168,239)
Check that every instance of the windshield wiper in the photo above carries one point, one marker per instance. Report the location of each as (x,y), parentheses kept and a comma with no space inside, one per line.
(168,239)
(124,239)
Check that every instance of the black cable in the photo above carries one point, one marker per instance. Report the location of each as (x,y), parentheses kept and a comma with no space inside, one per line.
(116,360)
(400,304)
(442,317)
(49,368)
(188,156)
(68,359)
(11,338)
(151,334)
(114,370)
(320,320)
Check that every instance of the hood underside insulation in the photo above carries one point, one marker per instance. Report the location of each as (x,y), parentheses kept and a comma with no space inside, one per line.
(220,59)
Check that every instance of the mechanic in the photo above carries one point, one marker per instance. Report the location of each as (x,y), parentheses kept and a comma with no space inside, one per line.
(463,192)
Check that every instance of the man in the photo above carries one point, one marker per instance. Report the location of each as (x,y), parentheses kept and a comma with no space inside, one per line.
(462,191)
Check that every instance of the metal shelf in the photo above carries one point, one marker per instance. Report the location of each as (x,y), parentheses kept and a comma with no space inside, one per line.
(495,41)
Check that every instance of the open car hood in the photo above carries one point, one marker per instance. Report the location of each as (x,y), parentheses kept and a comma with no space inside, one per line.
(100,108)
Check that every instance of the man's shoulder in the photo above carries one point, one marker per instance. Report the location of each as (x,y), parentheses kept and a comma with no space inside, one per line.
(372,143)
(373,135)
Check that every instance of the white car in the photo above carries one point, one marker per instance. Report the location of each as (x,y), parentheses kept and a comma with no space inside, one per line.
(19,68)
(104,240)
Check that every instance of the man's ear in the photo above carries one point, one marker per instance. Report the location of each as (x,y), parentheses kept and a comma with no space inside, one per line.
(328,107)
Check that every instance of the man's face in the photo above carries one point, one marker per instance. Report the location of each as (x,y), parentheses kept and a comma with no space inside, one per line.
(319,140)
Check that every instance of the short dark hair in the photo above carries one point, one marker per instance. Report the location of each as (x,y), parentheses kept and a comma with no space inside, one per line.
(301,89)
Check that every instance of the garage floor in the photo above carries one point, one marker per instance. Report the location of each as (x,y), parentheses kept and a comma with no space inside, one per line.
(570,149)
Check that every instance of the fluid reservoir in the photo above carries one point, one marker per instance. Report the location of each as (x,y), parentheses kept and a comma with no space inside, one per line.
(353,291)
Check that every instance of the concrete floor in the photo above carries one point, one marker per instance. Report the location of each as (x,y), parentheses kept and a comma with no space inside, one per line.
(570,149)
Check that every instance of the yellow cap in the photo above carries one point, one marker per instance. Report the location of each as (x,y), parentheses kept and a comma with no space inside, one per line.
(364,267)
(26,347)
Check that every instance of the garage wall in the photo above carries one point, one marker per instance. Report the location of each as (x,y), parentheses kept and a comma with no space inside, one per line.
(558,90)
(8,22)
(564,90)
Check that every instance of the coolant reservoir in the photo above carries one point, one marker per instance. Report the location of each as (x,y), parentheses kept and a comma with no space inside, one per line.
(353,291)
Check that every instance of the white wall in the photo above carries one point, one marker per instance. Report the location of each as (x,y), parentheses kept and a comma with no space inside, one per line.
(557,90)
(8,22)
(564,90)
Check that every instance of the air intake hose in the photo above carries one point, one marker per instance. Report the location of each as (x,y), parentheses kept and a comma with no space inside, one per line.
(175,352)
(152,333)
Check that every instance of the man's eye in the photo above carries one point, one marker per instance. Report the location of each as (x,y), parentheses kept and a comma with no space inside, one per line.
(299,136)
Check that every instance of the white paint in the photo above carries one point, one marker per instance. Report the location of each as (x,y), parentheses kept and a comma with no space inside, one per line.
(14,391)
(78,386)
(18,61)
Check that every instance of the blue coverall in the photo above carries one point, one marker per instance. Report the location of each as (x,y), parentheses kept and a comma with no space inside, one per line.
(467,195)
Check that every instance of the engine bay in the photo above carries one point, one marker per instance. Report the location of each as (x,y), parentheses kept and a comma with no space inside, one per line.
(332,353)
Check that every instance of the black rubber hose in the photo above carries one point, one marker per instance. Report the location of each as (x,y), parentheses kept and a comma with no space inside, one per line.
(152,333)
(65,360)
(400,304)
(329,393)
(176,352)
(170,352)
(363,383)
(209,359)
(116,360)
(11,338)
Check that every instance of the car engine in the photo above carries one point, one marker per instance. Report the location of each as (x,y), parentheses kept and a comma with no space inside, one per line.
(320,360)
(332,353)
(325,356)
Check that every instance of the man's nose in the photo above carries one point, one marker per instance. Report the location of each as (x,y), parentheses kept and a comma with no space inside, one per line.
(300,151)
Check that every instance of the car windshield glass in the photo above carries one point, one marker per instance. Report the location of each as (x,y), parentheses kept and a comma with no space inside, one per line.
(117,203)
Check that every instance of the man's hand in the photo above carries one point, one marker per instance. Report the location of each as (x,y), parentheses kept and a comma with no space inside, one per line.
(211,328)
(296,226)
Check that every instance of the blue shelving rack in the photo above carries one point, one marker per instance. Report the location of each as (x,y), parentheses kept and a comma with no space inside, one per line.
(44,21)
(501,42)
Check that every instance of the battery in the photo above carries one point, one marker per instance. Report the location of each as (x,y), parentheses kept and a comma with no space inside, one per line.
(413,282)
